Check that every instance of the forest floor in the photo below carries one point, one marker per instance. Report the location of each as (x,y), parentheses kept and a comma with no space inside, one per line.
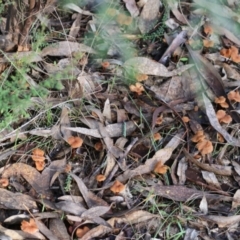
(120,119)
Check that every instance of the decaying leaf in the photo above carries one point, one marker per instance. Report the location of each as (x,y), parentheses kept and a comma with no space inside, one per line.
(65,48)
(16,200)
(147,66)
(131,218)
(57,226)
(223,221)
(148,16)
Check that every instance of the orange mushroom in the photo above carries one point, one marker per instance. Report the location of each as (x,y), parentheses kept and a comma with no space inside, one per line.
(141,77)
(39,165)
(100,177)
(161,169)
(221,101)
(29,227)
(157,136)
(80,232)
(223,117)
(4,182)
(159,120)
(207,29)
(205,147)
(199,136)
(98,146)
(75,142)
(137,88)
(231,53)
(185,119)
(105,64)
(117,187)
(234,96)
(38,155)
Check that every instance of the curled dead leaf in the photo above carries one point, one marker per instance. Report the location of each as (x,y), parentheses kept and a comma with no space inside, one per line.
(205,147)
(117,187)
(234,96)
(137,88)
(221,101)
(29,227)
(75,142)
(223,117)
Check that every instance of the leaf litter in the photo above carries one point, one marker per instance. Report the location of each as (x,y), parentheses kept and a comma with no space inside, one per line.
(135,110)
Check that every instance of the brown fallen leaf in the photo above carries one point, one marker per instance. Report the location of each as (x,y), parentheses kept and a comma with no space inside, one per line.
(58,227)
(65,48)
(130,218)
(222,221)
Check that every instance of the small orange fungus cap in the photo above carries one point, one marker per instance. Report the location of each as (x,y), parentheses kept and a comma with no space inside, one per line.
(199,136)
(38,155)
(80,232)
(117,187)
(100,177)
(39,165)
(205,147)
(185,119)
(161,169)
(221,101)
(75,142)
(157,136)
(98,146)
(105,64)
(29,227)
(223,117)
(4,182)
(234,96)
(137,88)
(141,77)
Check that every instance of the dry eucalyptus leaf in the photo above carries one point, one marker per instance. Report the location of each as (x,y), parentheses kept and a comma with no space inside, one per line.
(173,5)
(30,56)
(236,199)
(182,167)
(204,205)
(76,8)
(236,167)
(58,228)
(44,230)
(70,207)
(132,7)
(149,15)
(65,48)
(111,130)
(19,235)
(222,221)
(148,66)
(130,218)
(211,179)
(90,198)
(16,200)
